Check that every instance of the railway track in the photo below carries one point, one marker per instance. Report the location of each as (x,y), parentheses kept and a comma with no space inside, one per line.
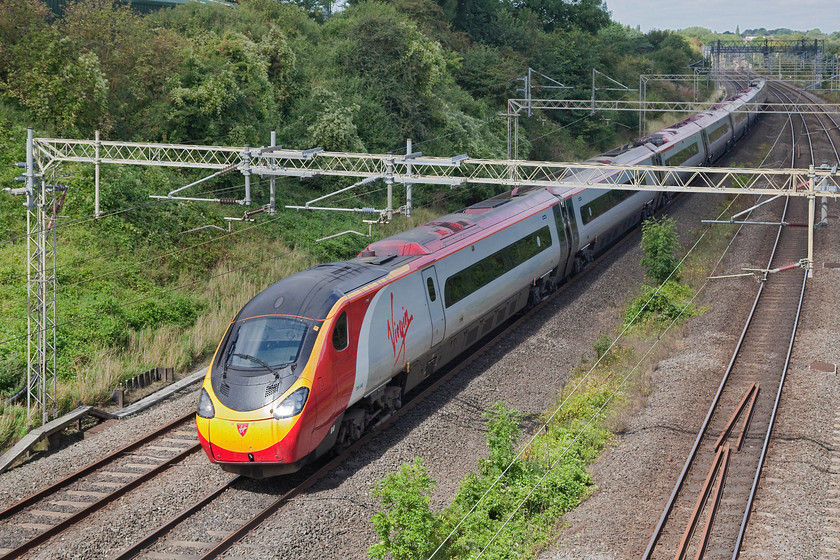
(708,511)
(55,509)
(166,539)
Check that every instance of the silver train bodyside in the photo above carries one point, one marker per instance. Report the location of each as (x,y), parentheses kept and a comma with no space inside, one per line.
(582,223)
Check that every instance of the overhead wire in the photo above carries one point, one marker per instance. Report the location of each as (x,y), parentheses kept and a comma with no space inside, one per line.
(104,216)
(115,212)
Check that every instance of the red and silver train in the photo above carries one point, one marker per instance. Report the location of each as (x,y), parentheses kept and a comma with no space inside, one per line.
(315,359)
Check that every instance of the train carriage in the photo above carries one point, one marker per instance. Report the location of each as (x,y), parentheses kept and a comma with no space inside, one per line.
(317,358)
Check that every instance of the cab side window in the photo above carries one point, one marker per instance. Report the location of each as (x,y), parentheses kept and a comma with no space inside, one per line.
(340,337)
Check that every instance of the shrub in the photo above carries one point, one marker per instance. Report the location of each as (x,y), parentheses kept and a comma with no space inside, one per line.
(602,345)
(671,301)
(405,525)
(660,243)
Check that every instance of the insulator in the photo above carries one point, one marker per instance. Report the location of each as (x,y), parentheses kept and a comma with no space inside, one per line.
(368,210)
(228,201)
(228,169)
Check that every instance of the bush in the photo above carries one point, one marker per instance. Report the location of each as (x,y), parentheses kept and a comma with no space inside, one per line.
(602,345)
(660,243)
(405,526)
(670,302)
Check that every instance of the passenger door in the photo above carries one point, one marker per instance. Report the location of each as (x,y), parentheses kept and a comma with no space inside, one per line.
(434,300)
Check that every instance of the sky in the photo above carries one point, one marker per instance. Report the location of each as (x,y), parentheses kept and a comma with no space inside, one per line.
(725,15)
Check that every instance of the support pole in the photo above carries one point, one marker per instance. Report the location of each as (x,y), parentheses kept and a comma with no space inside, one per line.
(41,265)
(32,368)
(246,171)
(642,104)
(272,180)
(516,136)
(97,160)
(389,182)
(408,185)
(812,198)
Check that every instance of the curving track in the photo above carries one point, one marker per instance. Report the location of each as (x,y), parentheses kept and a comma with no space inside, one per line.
(708,511)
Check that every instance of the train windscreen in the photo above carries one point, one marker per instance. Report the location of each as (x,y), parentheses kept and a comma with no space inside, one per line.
(266,342)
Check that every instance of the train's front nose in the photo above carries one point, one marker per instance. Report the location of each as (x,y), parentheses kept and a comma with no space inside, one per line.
(251,406)
(250,443)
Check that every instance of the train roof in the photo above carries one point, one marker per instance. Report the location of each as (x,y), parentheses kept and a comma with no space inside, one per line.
(452,228)
(310,294)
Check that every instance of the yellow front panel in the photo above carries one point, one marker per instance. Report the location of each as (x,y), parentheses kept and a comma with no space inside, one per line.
(243,437)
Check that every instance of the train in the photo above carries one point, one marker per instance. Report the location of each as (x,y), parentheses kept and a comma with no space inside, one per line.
(317,358)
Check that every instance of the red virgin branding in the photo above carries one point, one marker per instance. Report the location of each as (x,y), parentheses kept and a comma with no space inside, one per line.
(242,429)
(397,331)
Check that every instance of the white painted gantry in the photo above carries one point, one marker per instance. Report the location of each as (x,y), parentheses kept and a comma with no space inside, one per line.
(275,161)
(45,155)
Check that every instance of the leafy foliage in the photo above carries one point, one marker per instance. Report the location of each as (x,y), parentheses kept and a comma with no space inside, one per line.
(405,526)
(363,79)
(514,502)
(660,243)
(670,302)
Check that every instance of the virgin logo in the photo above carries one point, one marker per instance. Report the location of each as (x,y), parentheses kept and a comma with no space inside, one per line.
(397,331)
(242,429)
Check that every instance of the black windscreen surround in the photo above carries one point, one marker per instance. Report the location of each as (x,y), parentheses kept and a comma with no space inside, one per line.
(269,342)
(477,275)
(275,341)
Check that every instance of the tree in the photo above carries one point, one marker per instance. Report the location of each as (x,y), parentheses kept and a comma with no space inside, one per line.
(660,243)
(586,15)
(405,526)
(390,69)
(333,128)
(223,92)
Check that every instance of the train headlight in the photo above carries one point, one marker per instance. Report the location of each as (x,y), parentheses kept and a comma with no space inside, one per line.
(205,405)
(291,405)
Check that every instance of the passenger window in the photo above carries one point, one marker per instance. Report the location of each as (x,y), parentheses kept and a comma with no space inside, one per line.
(340,335)
(430,284)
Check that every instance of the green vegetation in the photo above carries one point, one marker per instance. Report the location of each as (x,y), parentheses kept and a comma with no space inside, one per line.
(667,300)
(406,527)
(512,506)
(518,498)
(660,243)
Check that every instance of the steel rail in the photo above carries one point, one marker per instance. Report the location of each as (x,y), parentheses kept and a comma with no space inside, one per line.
(99,504)
(134,549)
(657,533)
(766,443)
(91,467)
(715,505)
(764,448)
